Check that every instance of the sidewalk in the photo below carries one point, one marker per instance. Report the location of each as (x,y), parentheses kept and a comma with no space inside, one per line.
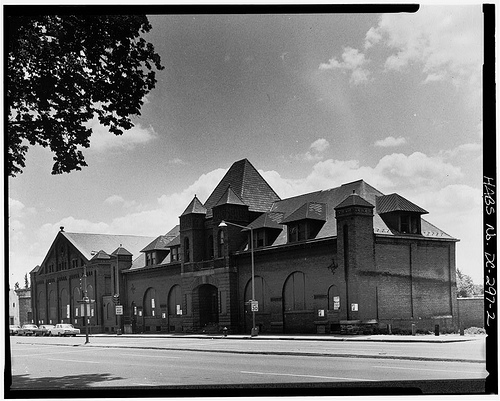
(443,338)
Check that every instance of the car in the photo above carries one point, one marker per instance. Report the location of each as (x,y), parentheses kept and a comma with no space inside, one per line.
(63,329)
(13,329)
(43,329)
(27,330)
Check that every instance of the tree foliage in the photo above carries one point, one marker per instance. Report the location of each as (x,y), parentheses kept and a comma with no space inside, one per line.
(465,285)
(62,70)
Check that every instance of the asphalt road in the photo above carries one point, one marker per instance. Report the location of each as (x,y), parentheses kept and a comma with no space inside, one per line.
(139,363)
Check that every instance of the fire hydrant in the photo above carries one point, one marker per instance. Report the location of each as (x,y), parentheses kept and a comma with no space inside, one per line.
(224,331)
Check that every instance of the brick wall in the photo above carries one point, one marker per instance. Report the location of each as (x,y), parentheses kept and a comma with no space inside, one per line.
(471,312)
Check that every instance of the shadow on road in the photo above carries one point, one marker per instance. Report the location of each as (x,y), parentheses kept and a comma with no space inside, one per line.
(23,382)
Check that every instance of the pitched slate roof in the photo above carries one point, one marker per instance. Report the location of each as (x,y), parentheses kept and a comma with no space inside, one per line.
(230,198)
(175,242)
(336,196)
(308,211)
(268,220)
(88,244)
(395,202)
(248,184)
(195,207)
(158,243)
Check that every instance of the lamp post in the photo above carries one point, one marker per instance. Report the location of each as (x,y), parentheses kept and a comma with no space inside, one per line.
(86,302)
(223,223)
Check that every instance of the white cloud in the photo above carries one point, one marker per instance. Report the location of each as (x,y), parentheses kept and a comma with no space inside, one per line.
(464,149)
(390,141)
(102,140)
(315,152)
(352,61)
(119,200)
(445,40)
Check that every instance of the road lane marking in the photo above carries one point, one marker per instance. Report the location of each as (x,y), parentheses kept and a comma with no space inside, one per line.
(71,360)
(308,376)
(432,370)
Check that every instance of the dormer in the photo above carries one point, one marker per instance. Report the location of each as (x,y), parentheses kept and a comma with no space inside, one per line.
(175,249)
(266,229)
(400,215)
(306,221)
(157,251)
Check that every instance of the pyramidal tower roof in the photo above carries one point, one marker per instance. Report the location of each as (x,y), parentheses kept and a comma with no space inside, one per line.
(246,182)
(230,198)
(195,207)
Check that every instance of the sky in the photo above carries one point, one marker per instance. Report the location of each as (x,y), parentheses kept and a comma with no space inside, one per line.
(312,101)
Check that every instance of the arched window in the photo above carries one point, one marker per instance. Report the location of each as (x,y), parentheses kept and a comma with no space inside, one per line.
(52,307)
(175,301)
(294,293)
(333,298)
(260,292)
(150,302)
(186,249)
(42,312)
(64,305)
(220,243)
(210,247)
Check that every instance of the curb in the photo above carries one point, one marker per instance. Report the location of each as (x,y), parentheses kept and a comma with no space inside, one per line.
(277,353)
(291,338)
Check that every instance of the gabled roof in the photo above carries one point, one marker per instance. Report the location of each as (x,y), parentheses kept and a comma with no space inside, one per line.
(354,200)
(395,202)
(248,184)
(195,207)
(88,244)
(268,220)
(230,198)
(308,211)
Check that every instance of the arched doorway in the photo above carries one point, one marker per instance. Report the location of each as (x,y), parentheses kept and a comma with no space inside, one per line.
(208,305)
(294,303)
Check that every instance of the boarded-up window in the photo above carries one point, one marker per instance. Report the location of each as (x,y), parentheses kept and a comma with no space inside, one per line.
(294,292)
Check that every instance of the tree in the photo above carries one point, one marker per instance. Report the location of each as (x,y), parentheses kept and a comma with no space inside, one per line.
(62,70)
(465,285)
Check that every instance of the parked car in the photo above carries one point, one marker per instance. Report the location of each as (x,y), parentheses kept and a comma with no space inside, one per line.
(63,329)
(27,330)
(13,329)
(43,329)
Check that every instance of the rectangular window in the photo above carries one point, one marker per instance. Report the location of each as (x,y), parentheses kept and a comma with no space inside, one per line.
(292,233)
(405,223)
(301,231)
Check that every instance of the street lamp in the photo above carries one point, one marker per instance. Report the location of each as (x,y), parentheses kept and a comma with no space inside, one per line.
(223,223)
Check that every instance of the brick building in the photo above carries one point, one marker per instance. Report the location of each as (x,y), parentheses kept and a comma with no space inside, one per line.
(346,258)
(20,309)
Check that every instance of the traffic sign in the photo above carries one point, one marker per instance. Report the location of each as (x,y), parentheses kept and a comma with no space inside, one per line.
(255,306)
(119,309)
